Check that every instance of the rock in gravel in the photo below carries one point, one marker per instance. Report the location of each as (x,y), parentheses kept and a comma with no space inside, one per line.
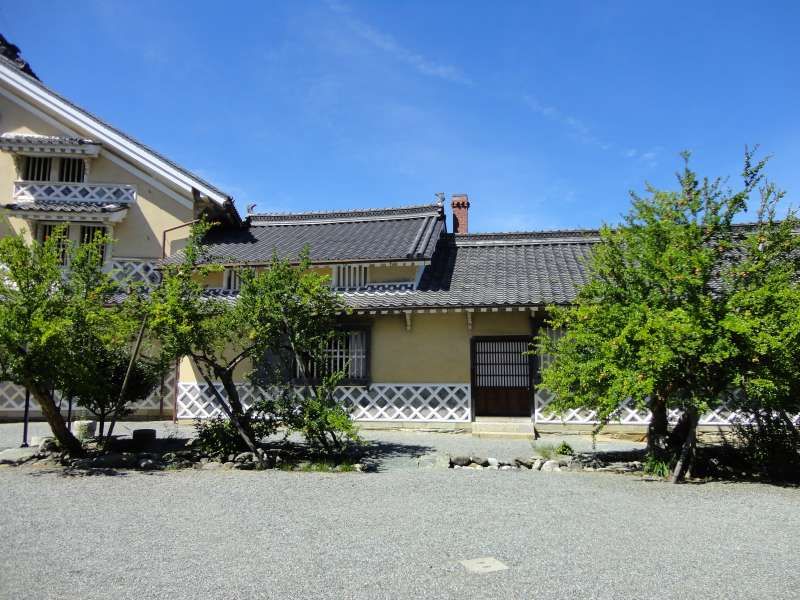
(492,462)
(148,464)
(113,461)
(536,465)
(244,457)
(228,465)
(44,443)
(506,468)
(48,445)
(84,430)
(460,461)
(17,456)
(475,466)
(551,465)
(143,437)
(211,466)
(526,463)
(480,461)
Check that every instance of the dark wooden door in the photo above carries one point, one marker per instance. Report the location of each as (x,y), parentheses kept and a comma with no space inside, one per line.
(501,376)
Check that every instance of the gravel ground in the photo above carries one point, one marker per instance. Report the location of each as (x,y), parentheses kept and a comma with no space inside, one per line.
(394,534)
(11,433)
(394,449)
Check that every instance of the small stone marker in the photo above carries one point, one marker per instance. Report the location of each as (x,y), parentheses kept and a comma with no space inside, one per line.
(483,565)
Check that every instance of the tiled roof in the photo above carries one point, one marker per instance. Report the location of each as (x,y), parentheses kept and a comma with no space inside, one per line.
(74,207)
(5,59)
(391,234)
(495,270)
(44,140)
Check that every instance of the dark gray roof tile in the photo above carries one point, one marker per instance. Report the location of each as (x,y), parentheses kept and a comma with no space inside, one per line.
(476,271)
(74,207)
(392,234)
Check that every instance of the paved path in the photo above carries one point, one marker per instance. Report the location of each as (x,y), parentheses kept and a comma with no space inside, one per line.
(394,534)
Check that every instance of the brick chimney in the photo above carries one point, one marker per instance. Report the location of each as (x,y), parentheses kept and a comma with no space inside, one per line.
(460,206)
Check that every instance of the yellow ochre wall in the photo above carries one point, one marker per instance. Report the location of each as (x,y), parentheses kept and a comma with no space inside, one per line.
(139,235)
(392,273)
(436,350)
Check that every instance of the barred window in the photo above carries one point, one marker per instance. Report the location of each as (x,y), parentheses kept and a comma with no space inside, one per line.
(545,360)
(47,230)
(37,168)
(348,352)
(231,279)
(89,233)
(348,277)
(71,170)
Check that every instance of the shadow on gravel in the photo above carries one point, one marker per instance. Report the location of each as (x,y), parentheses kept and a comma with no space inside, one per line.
(378,451)
(66,472)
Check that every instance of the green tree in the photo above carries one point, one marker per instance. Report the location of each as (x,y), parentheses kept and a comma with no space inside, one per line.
(96,377)
(46,290)
(303,314)
(764,320)
(652,323)
(278,308)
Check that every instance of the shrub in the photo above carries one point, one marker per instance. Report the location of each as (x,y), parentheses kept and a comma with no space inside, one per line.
(325,422)
(545,451)
(219,437)
(656,467)
(769,444)
(564,449)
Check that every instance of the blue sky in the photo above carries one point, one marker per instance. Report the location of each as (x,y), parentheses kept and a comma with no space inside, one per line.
(545,113)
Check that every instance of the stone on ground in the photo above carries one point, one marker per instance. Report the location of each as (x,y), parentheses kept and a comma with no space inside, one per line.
(17,456)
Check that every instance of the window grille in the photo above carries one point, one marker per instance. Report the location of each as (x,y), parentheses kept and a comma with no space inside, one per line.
(71,170)
(231,279)
(37,168)
(89,233)
(348,352)
(545,360)
(349,277)
(501,362)
(47,230)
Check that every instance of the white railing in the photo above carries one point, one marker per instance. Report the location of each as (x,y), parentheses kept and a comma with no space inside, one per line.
(27,191)
(134,270)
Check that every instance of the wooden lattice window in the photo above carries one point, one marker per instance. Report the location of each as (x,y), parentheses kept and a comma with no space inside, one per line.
(71,170)
(37,168)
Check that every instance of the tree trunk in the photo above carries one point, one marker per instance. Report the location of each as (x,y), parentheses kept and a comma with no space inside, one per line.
(657,430)
(687,450)
(245,432)
(66,440)
(121,400)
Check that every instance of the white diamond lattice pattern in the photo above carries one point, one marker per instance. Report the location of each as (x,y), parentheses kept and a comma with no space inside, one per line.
(12,398)
(378,402)
(630,415)
(81,192)
(129,270)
